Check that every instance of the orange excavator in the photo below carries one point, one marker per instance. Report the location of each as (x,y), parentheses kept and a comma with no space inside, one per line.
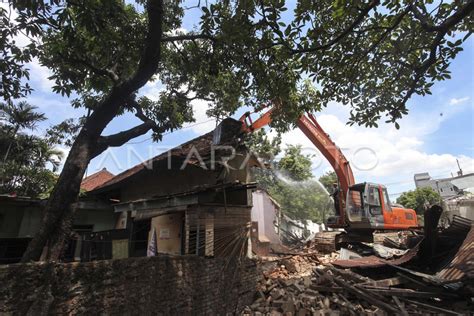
(361,208)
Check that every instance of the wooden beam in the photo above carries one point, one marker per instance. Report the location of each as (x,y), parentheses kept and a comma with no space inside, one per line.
(386,282)
(369,297)
(400,306)
(431,307)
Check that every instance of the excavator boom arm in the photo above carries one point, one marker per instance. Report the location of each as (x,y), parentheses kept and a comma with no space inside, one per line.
(311,128)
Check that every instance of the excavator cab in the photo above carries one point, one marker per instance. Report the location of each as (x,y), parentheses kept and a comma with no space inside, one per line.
(366,206)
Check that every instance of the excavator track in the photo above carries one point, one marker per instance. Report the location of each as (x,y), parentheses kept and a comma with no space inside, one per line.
(330,241)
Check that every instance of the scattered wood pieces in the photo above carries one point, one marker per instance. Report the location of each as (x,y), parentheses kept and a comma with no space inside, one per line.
(431,307)
(386,282)
(304,285)
(400,306)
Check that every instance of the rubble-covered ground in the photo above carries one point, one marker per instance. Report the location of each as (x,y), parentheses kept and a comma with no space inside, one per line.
(301,285)
(314,283)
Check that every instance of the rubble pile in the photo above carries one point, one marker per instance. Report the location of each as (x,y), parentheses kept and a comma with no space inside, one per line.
(391,276)
(293,266)
(332,291)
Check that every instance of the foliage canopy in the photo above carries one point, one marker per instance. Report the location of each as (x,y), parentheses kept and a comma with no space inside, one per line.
(288,179)
(420,199)
(28,161)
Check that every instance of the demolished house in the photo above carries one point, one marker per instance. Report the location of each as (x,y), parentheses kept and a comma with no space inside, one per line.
(423,271)
(193,199)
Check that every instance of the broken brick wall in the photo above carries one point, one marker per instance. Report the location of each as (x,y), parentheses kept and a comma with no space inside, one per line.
(157,285)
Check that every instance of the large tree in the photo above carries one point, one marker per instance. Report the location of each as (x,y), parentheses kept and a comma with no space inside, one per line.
(372,55)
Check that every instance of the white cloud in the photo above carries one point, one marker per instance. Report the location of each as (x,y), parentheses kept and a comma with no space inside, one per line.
(456,101)
(39,76)
(204,123)
(65,152)
(152,89)
(384,155)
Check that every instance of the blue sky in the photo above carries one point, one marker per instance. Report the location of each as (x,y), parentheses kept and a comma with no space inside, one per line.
(437,131)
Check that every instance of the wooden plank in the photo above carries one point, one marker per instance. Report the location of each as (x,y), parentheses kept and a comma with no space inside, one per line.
(352,308)
(400,306)
(406,292)
(330,289)
(349,275)
(422,285)
(343,304)
(431,307)
(386,282)
(369,297)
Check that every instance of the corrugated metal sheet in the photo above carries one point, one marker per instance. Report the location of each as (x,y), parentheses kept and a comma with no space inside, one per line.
(459,227)
(375,262)
(462,266)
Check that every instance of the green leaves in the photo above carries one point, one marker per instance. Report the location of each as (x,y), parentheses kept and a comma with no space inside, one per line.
(420,199)
(328,179)
(295,165)
(288,180)
(20,116)
(28,161)
(370,56)
(262,146)
(97,44)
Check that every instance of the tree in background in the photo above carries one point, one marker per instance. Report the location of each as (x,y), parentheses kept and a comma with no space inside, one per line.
(295,164)
(328,179)
(20,116)
(29,164)
(301,200)
(420,199)
(289,179)
(372,56)
(264,147)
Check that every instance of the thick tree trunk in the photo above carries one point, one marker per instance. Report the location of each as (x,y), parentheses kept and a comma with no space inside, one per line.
(59,212)
(55,226)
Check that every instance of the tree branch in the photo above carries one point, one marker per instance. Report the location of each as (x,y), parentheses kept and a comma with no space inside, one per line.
(460,14)
(147,67)
(139,114)
(419,71)
(187,37)
(364,12)
(382,38)
(118,139)
(99,71)
(442,29)
(152,52)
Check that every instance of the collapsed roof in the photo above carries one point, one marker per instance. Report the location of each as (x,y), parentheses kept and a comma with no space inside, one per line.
(194,152)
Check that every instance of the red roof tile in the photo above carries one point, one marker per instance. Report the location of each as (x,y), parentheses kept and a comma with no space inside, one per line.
(96,179)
